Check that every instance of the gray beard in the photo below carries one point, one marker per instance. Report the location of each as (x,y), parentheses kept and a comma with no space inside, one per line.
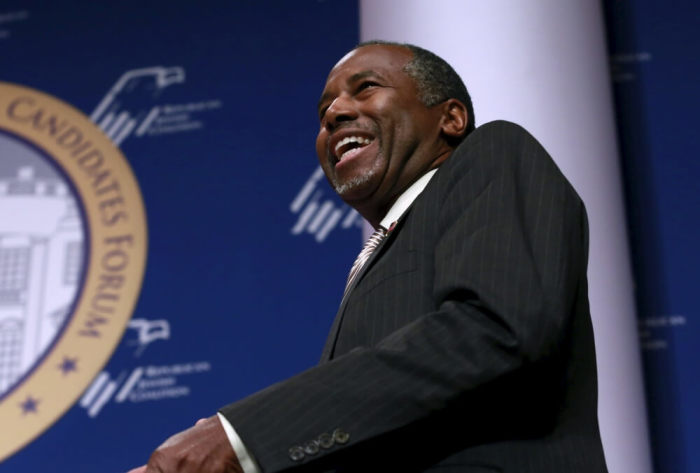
(358,181)
(352,183)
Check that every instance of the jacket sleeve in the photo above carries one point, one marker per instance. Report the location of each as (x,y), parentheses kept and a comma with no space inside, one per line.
(475,340)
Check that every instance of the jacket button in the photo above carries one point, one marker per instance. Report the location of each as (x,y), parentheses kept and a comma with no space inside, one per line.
(311,448)
(341,436)
(296,453)
(325,440)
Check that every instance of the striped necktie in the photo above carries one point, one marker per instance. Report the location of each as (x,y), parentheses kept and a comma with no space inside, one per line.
(370,245)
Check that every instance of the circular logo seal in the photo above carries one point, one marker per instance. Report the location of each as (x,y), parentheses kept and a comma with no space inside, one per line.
(72,258)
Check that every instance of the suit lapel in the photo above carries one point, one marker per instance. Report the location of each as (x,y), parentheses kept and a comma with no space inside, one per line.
(337,322)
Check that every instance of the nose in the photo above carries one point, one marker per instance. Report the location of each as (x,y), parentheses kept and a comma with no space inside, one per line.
(342,109)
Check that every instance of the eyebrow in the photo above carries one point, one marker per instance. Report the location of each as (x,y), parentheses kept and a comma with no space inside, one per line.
(353,78)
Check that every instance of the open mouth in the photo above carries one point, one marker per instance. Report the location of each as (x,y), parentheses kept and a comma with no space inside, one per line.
(350,146)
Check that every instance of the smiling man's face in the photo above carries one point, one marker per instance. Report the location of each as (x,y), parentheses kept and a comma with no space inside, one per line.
(376,136)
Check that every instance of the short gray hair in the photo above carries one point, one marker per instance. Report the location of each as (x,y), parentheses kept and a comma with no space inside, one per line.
(435,79)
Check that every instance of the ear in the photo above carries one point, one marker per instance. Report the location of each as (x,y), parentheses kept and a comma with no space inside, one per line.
(454,119)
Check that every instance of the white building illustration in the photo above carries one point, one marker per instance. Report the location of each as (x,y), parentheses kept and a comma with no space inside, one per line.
(41,260)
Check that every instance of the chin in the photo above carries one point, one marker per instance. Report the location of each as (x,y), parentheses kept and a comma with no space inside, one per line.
(351,186)
(360,185)
(356,187)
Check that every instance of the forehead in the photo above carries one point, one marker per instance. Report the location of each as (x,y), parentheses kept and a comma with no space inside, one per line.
(385,60)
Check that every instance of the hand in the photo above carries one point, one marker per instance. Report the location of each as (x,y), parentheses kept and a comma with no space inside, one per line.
(203,447)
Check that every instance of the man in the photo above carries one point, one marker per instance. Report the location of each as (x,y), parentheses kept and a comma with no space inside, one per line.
(463,342)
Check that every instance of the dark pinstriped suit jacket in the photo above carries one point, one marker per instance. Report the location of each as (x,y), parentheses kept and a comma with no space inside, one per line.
(466,344)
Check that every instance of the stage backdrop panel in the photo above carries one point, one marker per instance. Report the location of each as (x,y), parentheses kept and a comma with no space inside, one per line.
(656,75)
(213,104)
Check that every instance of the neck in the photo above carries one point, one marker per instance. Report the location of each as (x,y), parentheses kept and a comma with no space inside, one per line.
(374,211)
(373,214)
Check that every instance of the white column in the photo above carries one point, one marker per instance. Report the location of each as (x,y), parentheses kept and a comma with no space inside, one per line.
(543,64)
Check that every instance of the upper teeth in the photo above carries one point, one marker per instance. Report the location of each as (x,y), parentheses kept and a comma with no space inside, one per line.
(352,139)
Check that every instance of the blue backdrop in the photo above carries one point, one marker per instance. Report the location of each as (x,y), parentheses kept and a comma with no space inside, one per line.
(656,75)
(248,246)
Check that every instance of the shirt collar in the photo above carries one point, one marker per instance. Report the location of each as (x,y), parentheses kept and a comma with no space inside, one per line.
(406,199)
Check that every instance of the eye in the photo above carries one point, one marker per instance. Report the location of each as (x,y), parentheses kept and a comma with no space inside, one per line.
(366,85)
(322,112)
